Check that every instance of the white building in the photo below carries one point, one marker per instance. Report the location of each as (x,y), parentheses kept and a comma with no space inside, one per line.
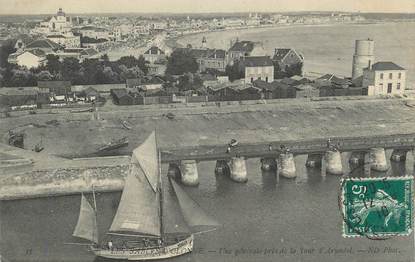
(258,67)
(29,58)
(95,32)
(384,78)
(60,22)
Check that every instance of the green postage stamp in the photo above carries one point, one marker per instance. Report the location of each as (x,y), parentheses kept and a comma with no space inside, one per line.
(377,208)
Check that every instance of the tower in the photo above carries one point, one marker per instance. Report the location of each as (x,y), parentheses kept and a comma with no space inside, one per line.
(363,57)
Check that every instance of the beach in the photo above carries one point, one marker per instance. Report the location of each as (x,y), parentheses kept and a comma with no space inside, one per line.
(327,48)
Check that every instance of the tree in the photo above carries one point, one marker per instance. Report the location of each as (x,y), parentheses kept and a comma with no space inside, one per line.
(44,76)
(53,65)
(71,70)
(22,77)
(109,76)
(6,48)
(128,73)
(234,72)
(295,69)
(90,68)
(128,61)
(288,71)
(181,62)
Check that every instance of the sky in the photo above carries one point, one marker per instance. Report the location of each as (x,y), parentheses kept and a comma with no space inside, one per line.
(196,6)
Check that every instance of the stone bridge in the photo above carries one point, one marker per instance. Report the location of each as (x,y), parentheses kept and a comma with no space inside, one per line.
(280,155)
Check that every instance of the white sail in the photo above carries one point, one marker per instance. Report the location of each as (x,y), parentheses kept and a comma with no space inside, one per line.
(146,156)
(86,227)
(193,214)
(138,210)
(139,206)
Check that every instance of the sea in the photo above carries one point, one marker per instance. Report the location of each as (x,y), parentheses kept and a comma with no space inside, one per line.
(327,49)
(265,219)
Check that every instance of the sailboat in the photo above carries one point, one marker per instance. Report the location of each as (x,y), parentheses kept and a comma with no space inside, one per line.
(152,221)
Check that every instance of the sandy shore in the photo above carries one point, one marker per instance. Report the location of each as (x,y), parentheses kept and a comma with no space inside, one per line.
(181,41)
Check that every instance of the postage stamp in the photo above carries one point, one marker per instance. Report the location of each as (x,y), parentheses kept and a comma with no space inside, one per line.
(377,208)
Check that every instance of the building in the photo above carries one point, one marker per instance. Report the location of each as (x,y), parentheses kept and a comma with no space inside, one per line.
(68,40)
(18,96)
(331,80)
(45,45)
(145,84)
(208,58)
(95,32)
(241,49)
(60,23)
(286,57)
(384,78)
(154,54)
(257,67)
(58,90)
(29,58)
(120,96)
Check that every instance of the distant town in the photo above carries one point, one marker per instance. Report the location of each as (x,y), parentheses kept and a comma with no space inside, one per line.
(64,61)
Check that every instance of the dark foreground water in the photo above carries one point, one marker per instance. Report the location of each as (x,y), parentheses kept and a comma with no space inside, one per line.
(294,220)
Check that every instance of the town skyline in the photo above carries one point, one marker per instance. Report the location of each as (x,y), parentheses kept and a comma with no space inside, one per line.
(25,7)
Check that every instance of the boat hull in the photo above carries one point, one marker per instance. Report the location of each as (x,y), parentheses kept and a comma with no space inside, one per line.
(177,249)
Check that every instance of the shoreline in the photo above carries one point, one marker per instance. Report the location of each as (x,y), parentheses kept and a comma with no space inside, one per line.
(174,42)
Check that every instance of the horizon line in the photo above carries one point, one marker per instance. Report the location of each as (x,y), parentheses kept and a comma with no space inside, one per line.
(211,12)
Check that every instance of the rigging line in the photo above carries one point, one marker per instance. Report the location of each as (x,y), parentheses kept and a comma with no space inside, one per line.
(206,231)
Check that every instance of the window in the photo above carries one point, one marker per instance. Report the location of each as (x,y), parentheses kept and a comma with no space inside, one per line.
(390,75)
(381,76)
(398,86)
(399,75)
(389,88)
(252,79)
(266,79)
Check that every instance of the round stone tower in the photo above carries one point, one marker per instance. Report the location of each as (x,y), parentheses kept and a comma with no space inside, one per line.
(364,56)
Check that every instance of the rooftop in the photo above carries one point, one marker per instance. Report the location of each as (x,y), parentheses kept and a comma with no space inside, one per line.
(53,84)
(154,50)
(384,66)
(43,43)
(256,61)
(242,46)
(280,53)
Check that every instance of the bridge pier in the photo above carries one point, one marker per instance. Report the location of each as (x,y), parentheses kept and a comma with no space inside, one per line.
(174,171)
(378,159)
(314,160)
(398,155)
(287,165)
(334,162)
(238,171)
(357,158)
(190,176)
(268,164)
(222,167)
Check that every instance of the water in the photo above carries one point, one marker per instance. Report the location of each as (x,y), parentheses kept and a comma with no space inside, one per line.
(327,48)
(258,215)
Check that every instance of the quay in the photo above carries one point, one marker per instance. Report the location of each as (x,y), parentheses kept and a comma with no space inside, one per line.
(362,128)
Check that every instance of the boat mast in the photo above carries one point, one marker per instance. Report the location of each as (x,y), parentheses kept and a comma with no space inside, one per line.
(160,189)
(95,201)
(95,209)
